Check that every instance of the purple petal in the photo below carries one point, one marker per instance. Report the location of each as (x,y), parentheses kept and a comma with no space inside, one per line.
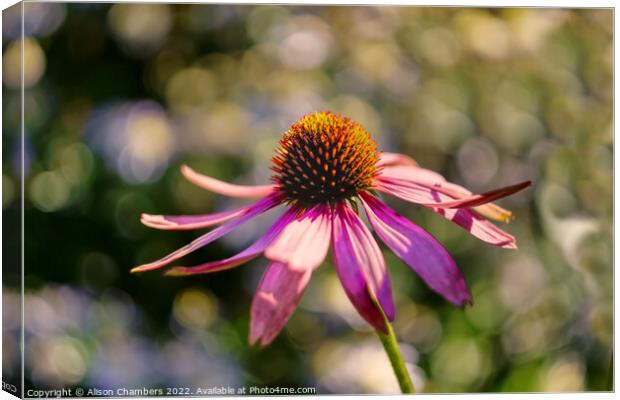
(431,179)
(361,268)
(278,294)
(257,208)
(182,222)
(476,200)
(425,194)
(463,217)
(425,255)
(417,174)
(305,241)
(246,255)
(479,227)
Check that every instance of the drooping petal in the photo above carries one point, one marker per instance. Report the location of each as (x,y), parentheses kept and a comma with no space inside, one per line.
(422,193)
(279,292)
(257,208)
(387,159)
(427,177)
(182,222)
(463,217)
(415,174)
(479,227)
(484,198)
(224,188)
(494,212)
(305,241)
(423,253)
(408,191)
(246,255)
(361,268)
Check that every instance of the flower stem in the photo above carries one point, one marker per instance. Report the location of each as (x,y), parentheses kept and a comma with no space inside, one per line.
(396,359)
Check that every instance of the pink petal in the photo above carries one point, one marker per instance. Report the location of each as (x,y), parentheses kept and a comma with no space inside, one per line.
(479,227)
(423,253)
(278,294)
(181,222)
(486,197)
(411,192)
(395,159)
(305,241)
(259,207)
(361,268)
(417,174)
(465,218)
(224,188)
(418,191)
(427,177)
(246,255)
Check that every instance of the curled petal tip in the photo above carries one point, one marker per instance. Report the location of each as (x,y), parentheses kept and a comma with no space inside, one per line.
(153,221)
(257,342)
(188,172)
(505,218)
(497,213)
(147,267)
(151,217)
(511,245)
(463,301)
(466,302)
(494,212)
(185,169)
(520,186)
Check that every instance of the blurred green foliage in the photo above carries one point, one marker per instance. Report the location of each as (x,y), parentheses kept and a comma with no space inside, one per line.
(118,96)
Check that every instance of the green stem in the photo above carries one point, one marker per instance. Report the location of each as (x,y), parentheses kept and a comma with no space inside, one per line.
(396,359)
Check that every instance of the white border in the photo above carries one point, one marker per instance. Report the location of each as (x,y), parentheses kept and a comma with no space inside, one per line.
(478,3)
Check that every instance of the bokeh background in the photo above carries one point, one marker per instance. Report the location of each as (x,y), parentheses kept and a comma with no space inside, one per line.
(117,96)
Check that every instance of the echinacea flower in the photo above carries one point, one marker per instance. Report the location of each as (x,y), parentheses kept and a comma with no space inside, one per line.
(326,165)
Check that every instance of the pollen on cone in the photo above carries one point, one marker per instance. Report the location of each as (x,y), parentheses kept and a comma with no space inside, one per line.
(324,158)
